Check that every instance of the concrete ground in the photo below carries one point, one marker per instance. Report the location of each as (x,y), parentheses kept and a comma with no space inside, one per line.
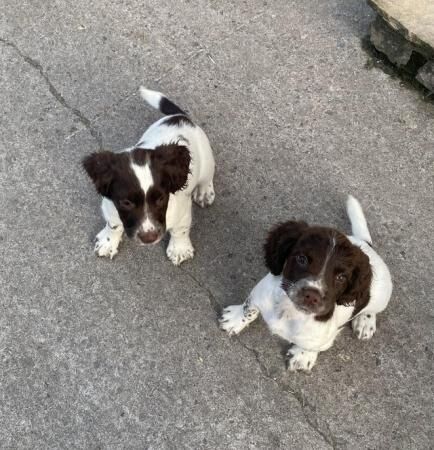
(127,353)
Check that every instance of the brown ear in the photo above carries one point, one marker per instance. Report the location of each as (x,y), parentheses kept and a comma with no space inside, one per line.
(99,167)
(358,290)
(279,244)
(174,162)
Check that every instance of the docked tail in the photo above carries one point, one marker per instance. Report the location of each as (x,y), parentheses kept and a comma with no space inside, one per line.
(158,101)
(358,221)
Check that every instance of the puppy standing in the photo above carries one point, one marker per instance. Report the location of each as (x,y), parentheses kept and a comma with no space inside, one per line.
(148,189)
(319,280)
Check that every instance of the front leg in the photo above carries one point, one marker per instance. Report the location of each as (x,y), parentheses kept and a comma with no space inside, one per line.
(109,238)
(235,318)
(178,219)
(298,358)
(204,194)
(180,248)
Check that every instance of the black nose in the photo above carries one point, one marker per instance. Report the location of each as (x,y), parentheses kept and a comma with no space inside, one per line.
(148,237)
(311,297)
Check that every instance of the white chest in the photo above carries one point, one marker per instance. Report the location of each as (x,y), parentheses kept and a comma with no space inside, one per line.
(297,327)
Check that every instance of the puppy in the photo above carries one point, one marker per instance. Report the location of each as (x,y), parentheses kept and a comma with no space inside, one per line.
(148,189)
(319,280)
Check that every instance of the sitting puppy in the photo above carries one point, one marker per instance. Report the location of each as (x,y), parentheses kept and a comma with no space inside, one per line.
(320,279)
(147,189)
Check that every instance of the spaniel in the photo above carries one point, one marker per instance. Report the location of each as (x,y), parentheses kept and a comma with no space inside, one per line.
(148,189)
(319,280)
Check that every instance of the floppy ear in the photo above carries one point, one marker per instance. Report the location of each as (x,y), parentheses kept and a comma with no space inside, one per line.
(174,161)
(279,243)
(358,290)
(99,167)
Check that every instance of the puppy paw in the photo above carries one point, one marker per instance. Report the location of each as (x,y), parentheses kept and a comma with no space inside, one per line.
(234,319)
(107,242)
(300,359)
(179,251)
(364,326)
(204,196)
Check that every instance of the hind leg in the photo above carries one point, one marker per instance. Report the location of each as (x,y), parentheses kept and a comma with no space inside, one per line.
(180,247)
(204,194)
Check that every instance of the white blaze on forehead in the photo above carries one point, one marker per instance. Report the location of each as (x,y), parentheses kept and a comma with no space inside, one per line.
(318,282)
(328,256)
(147,225)
(144,175)
(146,181)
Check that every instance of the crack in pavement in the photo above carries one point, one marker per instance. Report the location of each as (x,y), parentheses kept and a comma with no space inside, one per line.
(298,396)
(327,437)
(313,423)
(55,93)
(89,124)
(215,305)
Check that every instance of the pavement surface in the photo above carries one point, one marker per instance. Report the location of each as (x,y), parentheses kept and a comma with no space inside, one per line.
(126,353)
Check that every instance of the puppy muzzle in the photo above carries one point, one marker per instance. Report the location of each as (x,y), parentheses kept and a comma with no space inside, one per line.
(150,237)
(310,300)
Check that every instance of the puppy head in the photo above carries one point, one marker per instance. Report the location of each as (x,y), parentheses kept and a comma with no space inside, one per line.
(139,184)
(320,268)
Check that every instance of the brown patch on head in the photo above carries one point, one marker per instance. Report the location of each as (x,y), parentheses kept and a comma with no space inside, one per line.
(320,268)
(140,156)
(359,282)
(142,209)
(279,243)
(114,178)
(170,167)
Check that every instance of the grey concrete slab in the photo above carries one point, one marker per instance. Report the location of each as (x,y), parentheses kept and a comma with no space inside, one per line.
(92,352)
(126,353)
(414,19)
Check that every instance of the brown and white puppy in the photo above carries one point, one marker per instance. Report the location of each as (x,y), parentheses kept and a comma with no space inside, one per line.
(319,280)
(148,189)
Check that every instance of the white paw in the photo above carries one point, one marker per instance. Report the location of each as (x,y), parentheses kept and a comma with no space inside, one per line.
(364,326)
(300,359)
(107,242)
(179,251)
(234,318)
(204,196)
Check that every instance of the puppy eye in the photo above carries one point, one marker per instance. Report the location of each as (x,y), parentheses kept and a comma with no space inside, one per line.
(126,204)
(302,260)
(341,278)
(160,200)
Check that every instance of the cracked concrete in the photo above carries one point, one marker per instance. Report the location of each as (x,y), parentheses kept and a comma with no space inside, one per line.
(54,92)
(313,423)
(127,353)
